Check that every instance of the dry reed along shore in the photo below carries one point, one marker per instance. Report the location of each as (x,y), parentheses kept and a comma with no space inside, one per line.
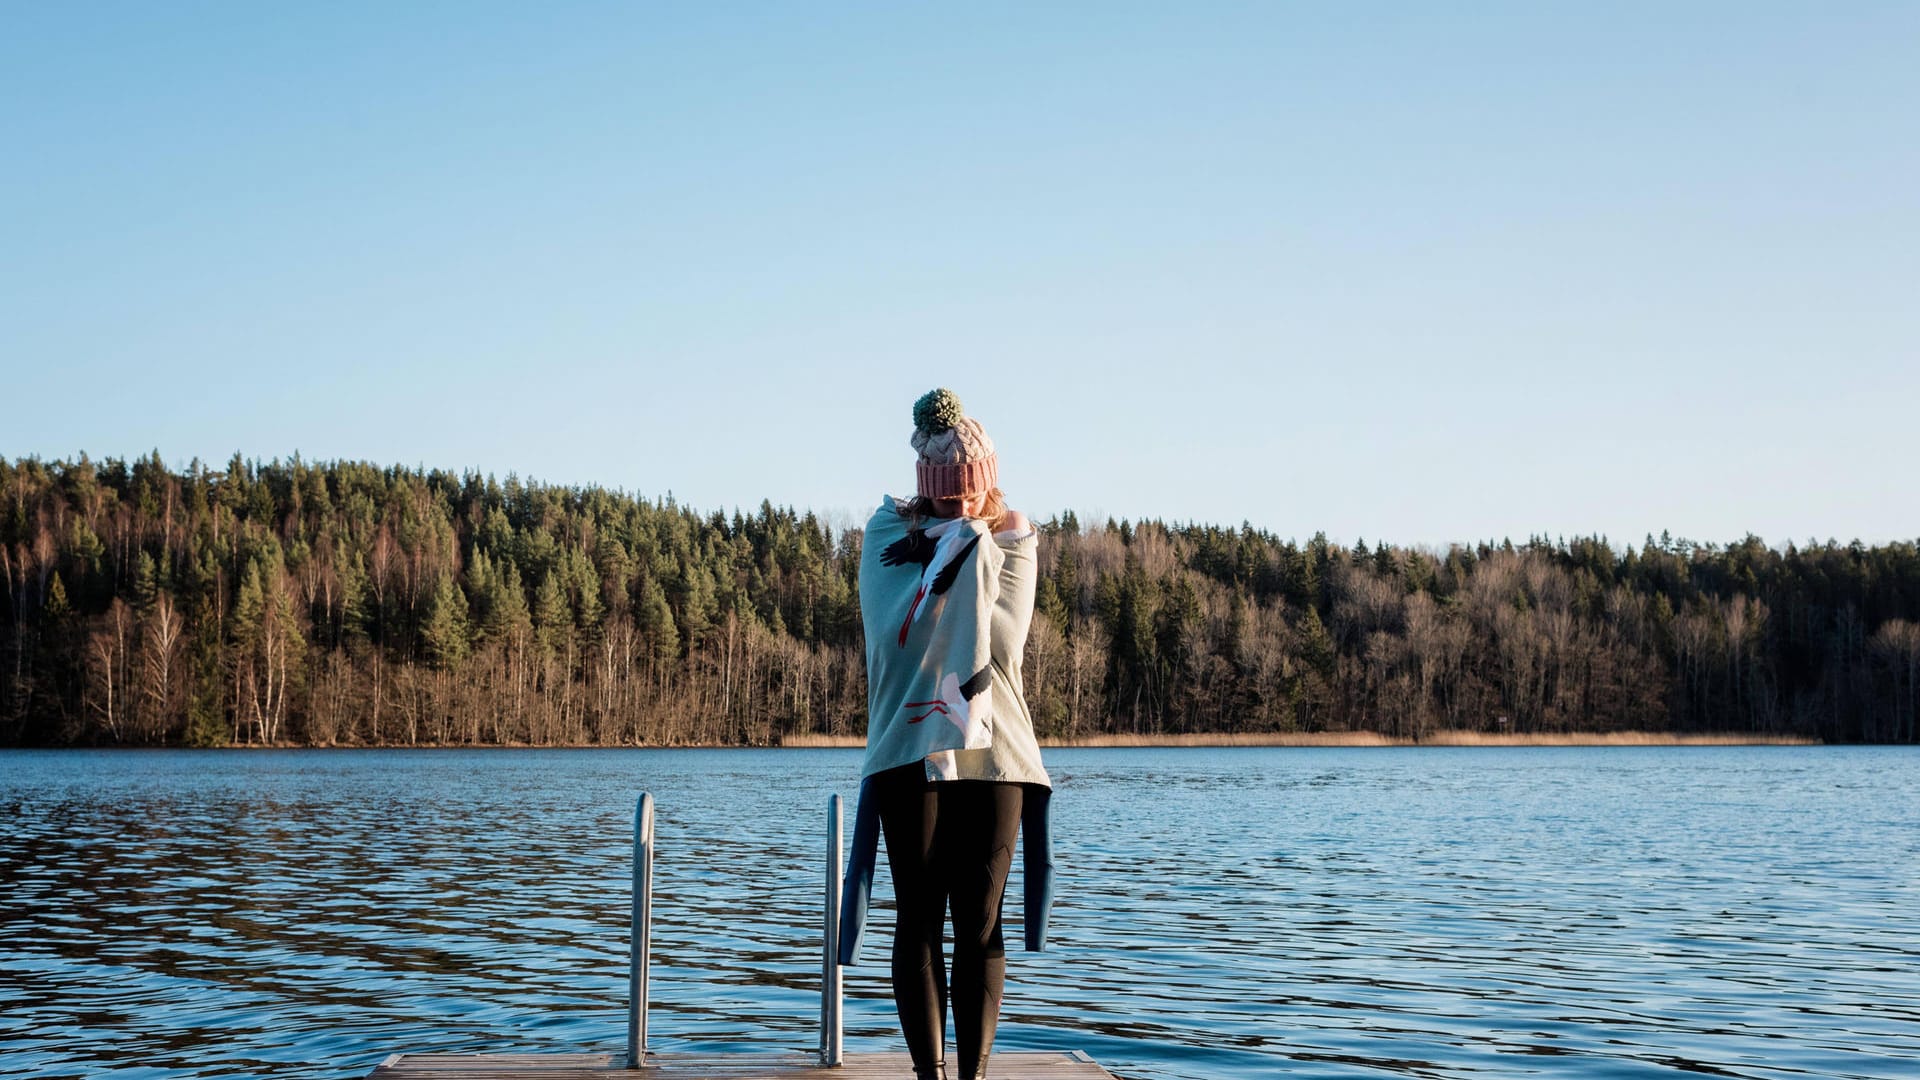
(1368,738)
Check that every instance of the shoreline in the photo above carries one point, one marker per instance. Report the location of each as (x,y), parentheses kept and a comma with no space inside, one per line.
(1223,740)
(1369,738)
(1440,738)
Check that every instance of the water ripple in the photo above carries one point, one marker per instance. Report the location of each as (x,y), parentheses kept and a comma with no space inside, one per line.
(1230,914)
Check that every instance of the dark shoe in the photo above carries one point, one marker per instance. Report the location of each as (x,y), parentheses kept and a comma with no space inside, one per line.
(938,1072)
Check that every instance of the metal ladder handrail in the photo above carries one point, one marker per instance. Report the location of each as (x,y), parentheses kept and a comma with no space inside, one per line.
(831,988)
(640,945)
(640,940)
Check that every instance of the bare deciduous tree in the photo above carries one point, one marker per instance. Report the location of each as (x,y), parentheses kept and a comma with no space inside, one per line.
(159,662)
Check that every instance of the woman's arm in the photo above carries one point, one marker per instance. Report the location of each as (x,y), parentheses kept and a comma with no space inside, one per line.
(1015,521)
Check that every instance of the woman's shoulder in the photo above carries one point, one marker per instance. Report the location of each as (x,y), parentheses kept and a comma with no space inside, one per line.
(1014,531)
(886,519)
(889,508)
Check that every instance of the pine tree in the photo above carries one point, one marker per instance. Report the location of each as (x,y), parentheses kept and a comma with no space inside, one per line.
(506,606)
(356,613)
(243,623)
(584,586)
(656,622)
(444,631)
(1316,645)
(481,592)
(552,618)
(1066,582)
(1047,605)
(146,582)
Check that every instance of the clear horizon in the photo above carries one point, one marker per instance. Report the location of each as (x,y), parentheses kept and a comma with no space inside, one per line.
(1426,277)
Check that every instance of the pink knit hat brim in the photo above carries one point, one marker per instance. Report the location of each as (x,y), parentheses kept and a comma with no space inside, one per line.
(957,481)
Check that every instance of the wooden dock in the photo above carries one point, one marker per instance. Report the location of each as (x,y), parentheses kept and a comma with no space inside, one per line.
(830,1063)
(1013,1065)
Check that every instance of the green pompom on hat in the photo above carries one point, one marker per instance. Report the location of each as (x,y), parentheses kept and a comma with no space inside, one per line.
(937,411)
(956,457)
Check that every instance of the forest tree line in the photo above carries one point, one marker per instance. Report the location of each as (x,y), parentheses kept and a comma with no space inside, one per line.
(344,603)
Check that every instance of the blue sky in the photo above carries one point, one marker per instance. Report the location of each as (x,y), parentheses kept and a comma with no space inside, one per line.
(1416,272)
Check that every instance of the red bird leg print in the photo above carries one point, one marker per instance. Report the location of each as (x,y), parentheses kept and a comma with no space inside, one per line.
(937,707)
(911,608)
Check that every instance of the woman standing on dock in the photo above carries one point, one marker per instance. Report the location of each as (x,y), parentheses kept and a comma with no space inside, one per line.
(952,769)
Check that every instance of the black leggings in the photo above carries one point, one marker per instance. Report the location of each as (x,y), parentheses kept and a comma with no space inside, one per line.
(948,840)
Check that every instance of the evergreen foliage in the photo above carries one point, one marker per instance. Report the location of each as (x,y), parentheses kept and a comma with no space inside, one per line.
(347,603)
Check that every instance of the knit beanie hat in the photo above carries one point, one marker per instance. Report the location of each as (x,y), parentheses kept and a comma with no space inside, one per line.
(956,457)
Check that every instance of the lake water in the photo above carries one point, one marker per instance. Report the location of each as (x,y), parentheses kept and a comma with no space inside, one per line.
(1237,913)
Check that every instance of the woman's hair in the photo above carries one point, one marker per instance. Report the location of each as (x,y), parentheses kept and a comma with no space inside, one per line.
(919,508)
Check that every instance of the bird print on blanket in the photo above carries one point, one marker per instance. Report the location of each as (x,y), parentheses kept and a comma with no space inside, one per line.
(954,695)
(916,547)
(941,551)
(930,592)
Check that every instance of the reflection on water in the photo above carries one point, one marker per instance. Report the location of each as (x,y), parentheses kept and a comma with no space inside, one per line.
(1224,913)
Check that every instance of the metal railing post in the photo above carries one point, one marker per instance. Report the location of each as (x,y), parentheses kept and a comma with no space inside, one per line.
(830,985)
(640,945)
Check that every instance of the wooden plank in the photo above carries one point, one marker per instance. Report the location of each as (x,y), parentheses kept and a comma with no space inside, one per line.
(1024,1065)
